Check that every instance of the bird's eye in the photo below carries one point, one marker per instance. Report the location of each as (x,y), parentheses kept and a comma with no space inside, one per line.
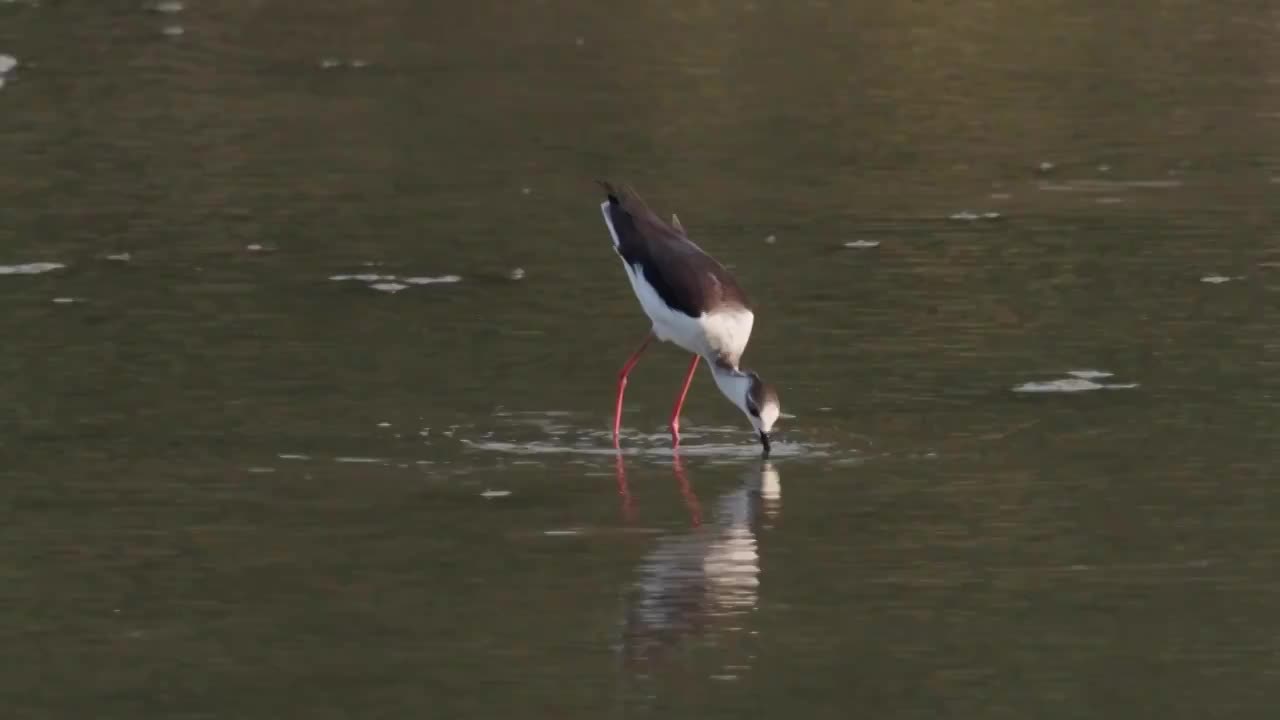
(753,411)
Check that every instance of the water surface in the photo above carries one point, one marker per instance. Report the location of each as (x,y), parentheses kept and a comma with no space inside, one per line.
(312,333)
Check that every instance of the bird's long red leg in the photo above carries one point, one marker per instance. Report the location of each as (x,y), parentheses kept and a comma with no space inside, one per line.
(675,415)
(622,384)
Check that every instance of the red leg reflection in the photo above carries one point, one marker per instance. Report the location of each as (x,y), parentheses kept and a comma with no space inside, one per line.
(624,491)
(690,498)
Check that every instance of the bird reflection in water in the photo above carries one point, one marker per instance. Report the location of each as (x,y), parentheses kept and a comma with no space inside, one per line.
(686,491)
(698,589)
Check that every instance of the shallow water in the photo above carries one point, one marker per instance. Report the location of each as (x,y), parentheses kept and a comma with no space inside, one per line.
(312,333)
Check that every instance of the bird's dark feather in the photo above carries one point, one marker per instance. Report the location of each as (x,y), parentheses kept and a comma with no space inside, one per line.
(686,278)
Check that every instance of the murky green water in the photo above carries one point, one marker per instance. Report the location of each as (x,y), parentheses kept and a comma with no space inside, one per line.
(237,487)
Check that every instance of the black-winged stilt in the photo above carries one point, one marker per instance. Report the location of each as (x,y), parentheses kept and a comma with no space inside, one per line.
(693,302)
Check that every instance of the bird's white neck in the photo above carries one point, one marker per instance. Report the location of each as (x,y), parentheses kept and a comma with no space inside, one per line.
(732,383)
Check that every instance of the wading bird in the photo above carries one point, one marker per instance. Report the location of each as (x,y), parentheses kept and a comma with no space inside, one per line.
(693,302)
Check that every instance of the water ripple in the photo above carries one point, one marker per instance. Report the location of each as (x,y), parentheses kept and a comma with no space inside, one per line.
(30,268)
(559,433)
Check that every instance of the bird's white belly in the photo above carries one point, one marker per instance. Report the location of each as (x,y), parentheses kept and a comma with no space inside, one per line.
(710,335)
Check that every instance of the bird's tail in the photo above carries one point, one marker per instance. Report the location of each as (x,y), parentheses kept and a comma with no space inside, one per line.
(624,202)
(607,208)
(613,192)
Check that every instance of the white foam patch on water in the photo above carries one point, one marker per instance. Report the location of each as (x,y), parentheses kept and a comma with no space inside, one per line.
(860,244)
(1104,186)
(970,216)
(168,7)
(331,63)
(360,460)
(1219,279)
(67,300)
(30,268)
(1089,374)
(424,280)
(1073,384)
(495,493)
(394,284)
(363,277)
(1065,385)
(293,456)
(261,470)
(174,30)
(561,533)
(7,63)
(120,257)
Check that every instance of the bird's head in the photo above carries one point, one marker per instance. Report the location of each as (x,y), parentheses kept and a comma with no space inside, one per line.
(753,396)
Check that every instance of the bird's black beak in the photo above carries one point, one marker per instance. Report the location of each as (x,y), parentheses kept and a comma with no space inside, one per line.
(764,440)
